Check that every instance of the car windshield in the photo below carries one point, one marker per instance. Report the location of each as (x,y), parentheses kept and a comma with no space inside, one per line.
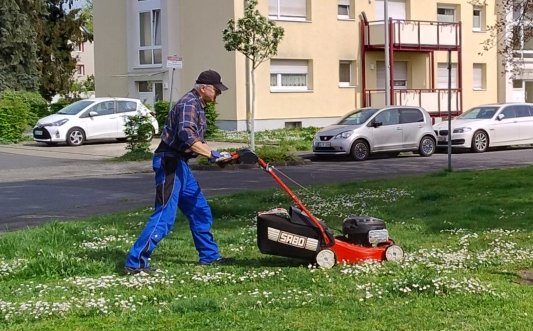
(478,113)
(75,107)
(358,117)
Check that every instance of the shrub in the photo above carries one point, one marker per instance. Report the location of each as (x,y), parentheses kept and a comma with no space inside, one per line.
(14,117)
(139,131)
(37,105)
(161,113)
(211,116)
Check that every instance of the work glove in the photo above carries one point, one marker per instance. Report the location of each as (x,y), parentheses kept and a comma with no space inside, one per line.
(219,157)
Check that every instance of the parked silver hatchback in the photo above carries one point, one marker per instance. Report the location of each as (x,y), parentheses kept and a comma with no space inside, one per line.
(389,130)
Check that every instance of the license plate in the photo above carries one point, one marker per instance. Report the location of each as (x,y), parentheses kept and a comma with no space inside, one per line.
(323,144)
(38,132)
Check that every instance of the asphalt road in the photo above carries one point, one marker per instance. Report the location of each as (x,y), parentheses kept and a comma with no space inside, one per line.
(40,184)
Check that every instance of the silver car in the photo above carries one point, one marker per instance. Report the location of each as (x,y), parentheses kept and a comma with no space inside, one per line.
(365,131)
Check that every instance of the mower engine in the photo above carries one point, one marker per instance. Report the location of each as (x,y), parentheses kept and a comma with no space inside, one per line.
(364,230)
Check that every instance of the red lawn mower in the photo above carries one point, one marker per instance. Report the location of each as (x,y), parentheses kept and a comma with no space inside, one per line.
(297,233)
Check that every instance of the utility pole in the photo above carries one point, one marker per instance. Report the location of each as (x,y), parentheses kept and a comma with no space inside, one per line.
(387,59)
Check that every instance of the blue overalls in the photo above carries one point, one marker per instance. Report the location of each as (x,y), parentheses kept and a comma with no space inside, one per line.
(176,186)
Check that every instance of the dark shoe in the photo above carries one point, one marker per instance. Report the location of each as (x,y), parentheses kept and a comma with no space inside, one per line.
(220,260)
(134,271)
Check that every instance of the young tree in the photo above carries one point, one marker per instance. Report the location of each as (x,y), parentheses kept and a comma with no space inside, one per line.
(512,32)
(257,39)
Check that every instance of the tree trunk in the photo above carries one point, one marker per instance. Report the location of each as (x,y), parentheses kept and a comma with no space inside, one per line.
(252,114)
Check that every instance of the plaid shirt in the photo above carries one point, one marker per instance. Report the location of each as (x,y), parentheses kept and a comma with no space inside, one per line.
(185,125)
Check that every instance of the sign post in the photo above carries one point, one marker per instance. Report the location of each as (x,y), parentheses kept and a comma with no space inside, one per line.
(174,62)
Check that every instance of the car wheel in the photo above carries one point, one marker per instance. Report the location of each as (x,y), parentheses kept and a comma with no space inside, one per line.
(480,142)
(427,146)
(75,137)
(360,150)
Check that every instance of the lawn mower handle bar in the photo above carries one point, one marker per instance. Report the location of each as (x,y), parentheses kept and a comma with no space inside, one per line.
(242,154)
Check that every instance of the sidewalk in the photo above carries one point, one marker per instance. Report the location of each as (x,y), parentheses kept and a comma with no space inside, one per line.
(32,161)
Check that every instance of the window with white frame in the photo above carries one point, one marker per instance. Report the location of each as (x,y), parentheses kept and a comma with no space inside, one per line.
(477,19)
(344,9)
(446,14)
(289,75)
(150,52)
(346,74)
(442,75)
(478,76)
(293,10)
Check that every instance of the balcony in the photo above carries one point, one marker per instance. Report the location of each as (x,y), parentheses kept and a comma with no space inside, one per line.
(413,35)
(435,101)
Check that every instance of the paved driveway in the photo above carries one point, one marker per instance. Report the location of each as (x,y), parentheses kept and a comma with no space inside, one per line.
(38,187)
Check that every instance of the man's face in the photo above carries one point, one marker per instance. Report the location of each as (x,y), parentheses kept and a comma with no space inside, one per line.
(209,93)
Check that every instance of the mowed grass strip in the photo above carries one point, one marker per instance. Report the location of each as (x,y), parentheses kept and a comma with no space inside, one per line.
(467,237)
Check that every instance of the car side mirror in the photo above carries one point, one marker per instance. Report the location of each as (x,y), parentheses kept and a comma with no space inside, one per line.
(377,124)
(500,117)
(93,113)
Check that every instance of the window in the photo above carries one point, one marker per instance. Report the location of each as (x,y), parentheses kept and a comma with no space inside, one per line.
(150,37)
(289,75)
(294,10)
(523,111)
(509,112)
(411,116)
(79,47)
(126,106)
(479,76)
(80,69)
(346,75)
(478,19)
(446,14)
(396,9)
(517,83)
(388,117)
(442,75)
(399,75)
(343,9)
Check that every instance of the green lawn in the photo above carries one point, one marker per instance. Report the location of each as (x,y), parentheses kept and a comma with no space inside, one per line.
(467,235)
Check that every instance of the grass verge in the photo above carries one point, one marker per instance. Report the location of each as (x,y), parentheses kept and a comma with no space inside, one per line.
(467,235)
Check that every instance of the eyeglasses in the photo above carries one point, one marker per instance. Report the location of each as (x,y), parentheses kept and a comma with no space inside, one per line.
(217,91)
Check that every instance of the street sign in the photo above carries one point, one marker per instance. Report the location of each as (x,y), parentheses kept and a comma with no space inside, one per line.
(174,62)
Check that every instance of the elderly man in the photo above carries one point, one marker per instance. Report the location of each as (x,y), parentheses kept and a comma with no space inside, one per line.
(182,138)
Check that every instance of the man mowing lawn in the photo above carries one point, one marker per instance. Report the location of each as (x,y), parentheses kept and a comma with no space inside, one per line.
(182,138)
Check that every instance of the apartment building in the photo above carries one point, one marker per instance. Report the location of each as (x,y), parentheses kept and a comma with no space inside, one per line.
(330,61)
(516,65)
(84,55)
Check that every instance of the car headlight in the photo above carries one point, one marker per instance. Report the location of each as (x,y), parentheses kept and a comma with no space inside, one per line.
(57,123)
(344,135)
(462,130)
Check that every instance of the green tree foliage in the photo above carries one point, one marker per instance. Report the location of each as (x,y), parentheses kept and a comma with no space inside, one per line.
(257,38)
(19,64)
(61,31)
(36,41)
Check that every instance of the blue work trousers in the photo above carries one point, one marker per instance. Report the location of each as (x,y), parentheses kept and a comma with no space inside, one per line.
(175,187)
